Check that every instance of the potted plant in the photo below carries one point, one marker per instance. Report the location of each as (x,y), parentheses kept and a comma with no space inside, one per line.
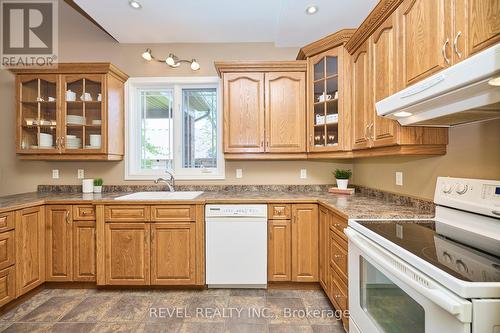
(342,177)
(98,185)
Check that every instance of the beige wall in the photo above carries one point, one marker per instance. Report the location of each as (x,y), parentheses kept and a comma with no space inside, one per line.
(473,152)
(81,41)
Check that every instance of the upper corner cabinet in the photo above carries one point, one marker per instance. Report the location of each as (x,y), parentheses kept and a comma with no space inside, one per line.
(264,109)
(70,112)
(327,117)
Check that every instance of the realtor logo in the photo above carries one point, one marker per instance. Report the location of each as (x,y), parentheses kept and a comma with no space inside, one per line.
(28,33)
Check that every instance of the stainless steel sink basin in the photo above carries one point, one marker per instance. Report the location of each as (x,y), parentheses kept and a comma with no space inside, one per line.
(186,195)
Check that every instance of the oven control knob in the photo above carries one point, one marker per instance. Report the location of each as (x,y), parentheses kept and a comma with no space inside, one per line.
(446,188)
(461,188)
(462,267)
(447,257)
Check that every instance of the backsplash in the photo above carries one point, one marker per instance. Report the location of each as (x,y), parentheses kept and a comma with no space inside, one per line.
(399,199)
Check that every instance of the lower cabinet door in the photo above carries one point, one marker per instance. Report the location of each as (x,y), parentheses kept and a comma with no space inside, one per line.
(127,251)
(7,285)
(30,249)
(84,248)
(7,249)
(173,253)
(58,240)
(279,265)
(305,243)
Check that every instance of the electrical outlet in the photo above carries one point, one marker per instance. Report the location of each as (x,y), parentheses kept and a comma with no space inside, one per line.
(303,173)
(81,174)
(55,174)
(239,173)
(399,178)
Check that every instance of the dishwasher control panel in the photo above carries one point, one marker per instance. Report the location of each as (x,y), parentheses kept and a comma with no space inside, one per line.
(236,211)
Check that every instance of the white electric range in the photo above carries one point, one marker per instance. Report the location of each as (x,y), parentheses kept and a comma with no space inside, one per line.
(437,275)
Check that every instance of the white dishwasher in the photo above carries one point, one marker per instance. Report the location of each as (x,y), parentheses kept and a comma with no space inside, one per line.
(236,246)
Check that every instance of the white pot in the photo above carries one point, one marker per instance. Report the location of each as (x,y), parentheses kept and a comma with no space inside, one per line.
(97,189)
(342,183)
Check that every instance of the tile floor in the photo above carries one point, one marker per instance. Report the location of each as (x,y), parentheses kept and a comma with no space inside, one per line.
(206,311)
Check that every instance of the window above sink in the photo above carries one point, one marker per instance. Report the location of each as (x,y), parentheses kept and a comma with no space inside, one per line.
(173,123)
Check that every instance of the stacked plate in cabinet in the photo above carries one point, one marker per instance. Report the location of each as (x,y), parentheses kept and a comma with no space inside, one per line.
(75,120)
(73,142)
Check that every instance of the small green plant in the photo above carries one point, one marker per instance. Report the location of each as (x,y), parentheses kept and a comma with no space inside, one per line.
(343,173)
(98,182)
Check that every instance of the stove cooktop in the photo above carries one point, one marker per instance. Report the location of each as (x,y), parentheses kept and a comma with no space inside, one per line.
(421,239)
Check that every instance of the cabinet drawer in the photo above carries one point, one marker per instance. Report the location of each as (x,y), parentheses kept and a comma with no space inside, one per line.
(6,221)
(127,213)
(279,212)
(7,249)
(338,290)
(173,213)
(338,224)
(7,285)
(83,213)
(338,255)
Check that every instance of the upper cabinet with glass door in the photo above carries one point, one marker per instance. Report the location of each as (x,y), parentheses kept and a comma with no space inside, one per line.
(73,112)
(327,115)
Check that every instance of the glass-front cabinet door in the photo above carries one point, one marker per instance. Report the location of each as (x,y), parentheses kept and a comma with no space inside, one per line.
(82,114)
(39,127)
(325,102)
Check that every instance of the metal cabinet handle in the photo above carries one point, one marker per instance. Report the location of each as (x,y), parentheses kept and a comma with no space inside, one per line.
(67,216)
(262,144)
(496,212)
(366,130)
(443,50)
(455,44)
(372,136)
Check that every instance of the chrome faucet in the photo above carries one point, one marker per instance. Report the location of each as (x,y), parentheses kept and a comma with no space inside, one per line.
(170,182)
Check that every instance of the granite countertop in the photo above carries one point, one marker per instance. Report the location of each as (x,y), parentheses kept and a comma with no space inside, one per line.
(359,205)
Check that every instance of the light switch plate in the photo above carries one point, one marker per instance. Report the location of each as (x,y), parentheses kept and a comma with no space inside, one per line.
(399,178)
(81,174)
(303,173)
(239,173)
(55,174)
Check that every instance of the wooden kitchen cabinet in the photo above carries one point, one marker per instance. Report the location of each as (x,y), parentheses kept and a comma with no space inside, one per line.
(30,249)
(305,242)
(323,247)
(279,250)
(127,253)
(84,251)
(264,109)
(173,253)
(383,80)
(243,99)
(426,30)
(285,115)
(51,125)
(361,112)
(7,285)
(483,27)
(58,243)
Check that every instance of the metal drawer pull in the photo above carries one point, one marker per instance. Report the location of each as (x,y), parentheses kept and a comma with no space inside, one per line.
(455,44)
(443,51)
(496,212)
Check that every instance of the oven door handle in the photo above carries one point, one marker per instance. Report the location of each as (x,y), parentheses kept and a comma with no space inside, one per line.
(460,308)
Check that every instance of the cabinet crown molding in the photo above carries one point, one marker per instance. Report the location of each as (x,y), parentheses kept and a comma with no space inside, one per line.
(260,66)
(376,17)
(76,68)
(336,39)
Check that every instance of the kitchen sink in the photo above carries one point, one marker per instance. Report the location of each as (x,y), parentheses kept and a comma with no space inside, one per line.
(182,195)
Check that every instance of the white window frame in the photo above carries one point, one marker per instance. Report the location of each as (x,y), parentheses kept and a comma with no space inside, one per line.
(133,121)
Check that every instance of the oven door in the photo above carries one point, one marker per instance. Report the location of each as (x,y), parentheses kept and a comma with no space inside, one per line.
(387,294)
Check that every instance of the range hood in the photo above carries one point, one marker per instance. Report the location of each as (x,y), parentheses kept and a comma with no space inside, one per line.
(466,92)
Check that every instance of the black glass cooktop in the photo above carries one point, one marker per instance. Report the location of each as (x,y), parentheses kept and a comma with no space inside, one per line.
(421,239)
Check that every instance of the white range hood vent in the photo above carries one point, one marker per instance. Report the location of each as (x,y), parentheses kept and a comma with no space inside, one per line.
(466,92)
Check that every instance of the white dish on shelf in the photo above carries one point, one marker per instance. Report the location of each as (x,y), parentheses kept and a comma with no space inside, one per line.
(97,122)
(92,147)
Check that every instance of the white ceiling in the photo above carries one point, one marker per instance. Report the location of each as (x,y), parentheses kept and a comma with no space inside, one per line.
(283,22)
